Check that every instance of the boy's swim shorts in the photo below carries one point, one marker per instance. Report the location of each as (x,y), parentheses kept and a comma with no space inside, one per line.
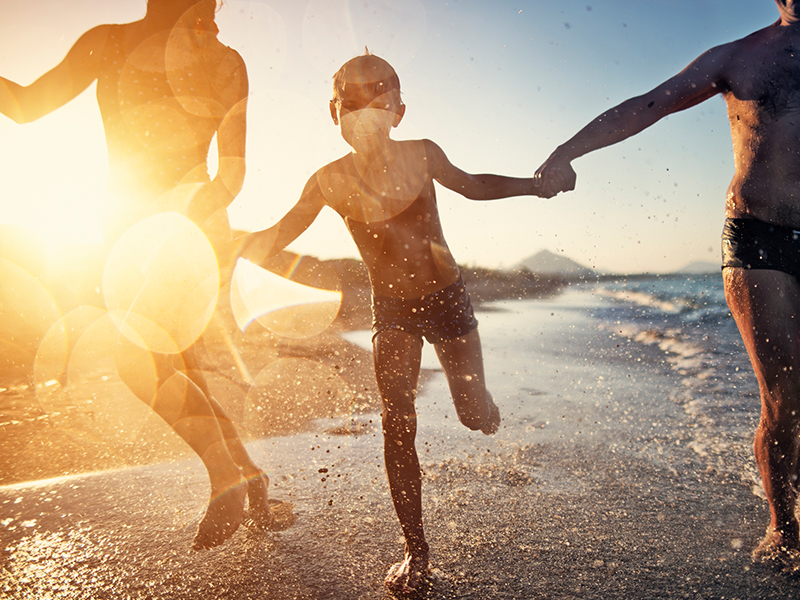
(438,317)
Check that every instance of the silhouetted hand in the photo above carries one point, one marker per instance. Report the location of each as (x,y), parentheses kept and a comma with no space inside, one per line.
(554,176)
(256,247)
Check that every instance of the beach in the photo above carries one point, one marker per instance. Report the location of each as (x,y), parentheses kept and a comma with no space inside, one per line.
(612,476)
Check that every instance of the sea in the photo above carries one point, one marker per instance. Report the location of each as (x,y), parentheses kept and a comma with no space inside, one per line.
(649,365)
(658,354)
(687,318)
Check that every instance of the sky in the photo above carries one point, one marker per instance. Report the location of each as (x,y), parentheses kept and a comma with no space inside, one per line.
(498,85)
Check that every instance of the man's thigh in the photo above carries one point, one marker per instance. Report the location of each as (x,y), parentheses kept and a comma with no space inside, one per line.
(766,307)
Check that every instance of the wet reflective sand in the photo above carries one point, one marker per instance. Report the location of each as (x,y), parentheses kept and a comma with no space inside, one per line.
(577,496)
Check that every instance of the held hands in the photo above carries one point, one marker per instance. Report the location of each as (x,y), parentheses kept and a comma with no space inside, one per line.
(554,176)
(256,247)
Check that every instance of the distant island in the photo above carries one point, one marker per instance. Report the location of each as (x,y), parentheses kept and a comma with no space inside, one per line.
(546,263)
(699,267)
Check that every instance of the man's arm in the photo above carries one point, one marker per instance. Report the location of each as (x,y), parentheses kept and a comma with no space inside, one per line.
(475,187)
(261,245)
(80,67)
(231,141)
(699,81)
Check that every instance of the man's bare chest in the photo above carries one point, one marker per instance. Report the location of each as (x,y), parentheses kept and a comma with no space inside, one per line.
(766,82)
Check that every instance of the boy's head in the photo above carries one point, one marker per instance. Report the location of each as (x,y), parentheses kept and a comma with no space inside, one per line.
(366,81)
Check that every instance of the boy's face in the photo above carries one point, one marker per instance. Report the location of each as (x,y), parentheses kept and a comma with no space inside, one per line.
(363,121)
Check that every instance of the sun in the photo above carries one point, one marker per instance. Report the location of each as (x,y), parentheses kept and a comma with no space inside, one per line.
(54,175)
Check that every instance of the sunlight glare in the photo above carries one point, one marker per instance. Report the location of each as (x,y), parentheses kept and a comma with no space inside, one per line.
(27,310)
(284,307)
(160,283)
(77,380)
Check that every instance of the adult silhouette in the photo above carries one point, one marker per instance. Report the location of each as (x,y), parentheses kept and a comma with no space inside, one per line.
(165,87)
(759,78)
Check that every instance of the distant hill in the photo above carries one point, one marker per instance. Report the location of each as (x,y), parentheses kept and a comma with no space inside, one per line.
(699,267)
(545,262)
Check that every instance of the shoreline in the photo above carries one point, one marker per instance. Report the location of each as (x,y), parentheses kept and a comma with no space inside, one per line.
(46,432)
(573,498)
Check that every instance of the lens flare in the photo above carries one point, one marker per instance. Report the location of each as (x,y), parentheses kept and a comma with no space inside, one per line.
(284,307)
(161,282)
(78,383)
(26,313)
(52,356)
(181,59)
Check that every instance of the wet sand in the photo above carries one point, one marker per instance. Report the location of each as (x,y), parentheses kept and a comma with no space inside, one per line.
(586,492)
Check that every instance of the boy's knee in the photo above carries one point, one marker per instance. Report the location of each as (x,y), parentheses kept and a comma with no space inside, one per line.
(398,422)
(469,412)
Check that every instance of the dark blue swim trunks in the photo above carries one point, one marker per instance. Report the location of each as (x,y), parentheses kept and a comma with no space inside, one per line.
(440,316)
(754,244)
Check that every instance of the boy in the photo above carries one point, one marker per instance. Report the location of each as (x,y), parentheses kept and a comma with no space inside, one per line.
(384,192)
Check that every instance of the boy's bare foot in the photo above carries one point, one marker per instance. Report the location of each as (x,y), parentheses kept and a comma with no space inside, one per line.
(774,548)
(493,420)
(259,514)
(405,577)
(223,515)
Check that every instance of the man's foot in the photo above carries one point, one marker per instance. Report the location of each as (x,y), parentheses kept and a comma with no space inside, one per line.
(223,515)
(774,548)
(405,577)
(259,514)
(493,420)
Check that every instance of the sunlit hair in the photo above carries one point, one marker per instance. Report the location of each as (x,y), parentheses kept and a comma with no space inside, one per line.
(181,6)
(365,78)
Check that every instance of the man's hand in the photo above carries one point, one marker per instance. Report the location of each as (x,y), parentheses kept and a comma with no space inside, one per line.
(554,176)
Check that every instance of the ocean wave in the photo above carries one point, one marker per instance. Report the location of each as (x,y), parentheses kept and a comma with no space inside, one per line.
(669,306)
(688,320)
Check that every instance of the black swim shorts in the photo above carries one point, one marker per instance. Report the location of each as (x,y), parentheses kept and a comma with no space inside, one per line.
(754,244)
(440,316)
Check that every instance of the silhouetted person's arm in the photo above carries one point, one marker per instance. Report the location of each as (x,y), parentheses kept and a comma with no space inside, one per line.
(58,86)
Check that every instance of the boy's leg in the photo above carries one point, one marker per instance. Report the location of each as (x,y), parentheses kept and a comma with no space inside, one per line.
(186,409)
(462,361)
(397,361)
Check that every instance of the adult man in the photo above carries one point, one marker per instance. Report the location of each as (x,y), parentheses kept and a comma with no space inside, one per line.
(759,77)
(165,87)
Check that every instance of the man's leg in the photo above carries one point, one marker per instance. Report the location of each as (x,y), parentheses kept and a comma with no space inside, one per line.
(766,306)
(462,361)
(397,361)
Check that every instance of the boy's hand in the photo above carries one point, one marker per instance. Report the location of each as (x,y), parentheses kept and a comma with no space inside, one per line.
(554,176)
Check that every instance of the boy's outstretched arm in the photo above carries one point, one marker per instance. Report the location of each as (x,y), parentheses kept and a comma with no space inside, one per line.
(261,245)
(475,187)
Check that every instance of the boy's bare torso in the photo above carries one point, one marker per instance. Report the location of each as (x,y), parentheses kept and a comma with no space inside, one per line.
(388,203)
(762,74)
